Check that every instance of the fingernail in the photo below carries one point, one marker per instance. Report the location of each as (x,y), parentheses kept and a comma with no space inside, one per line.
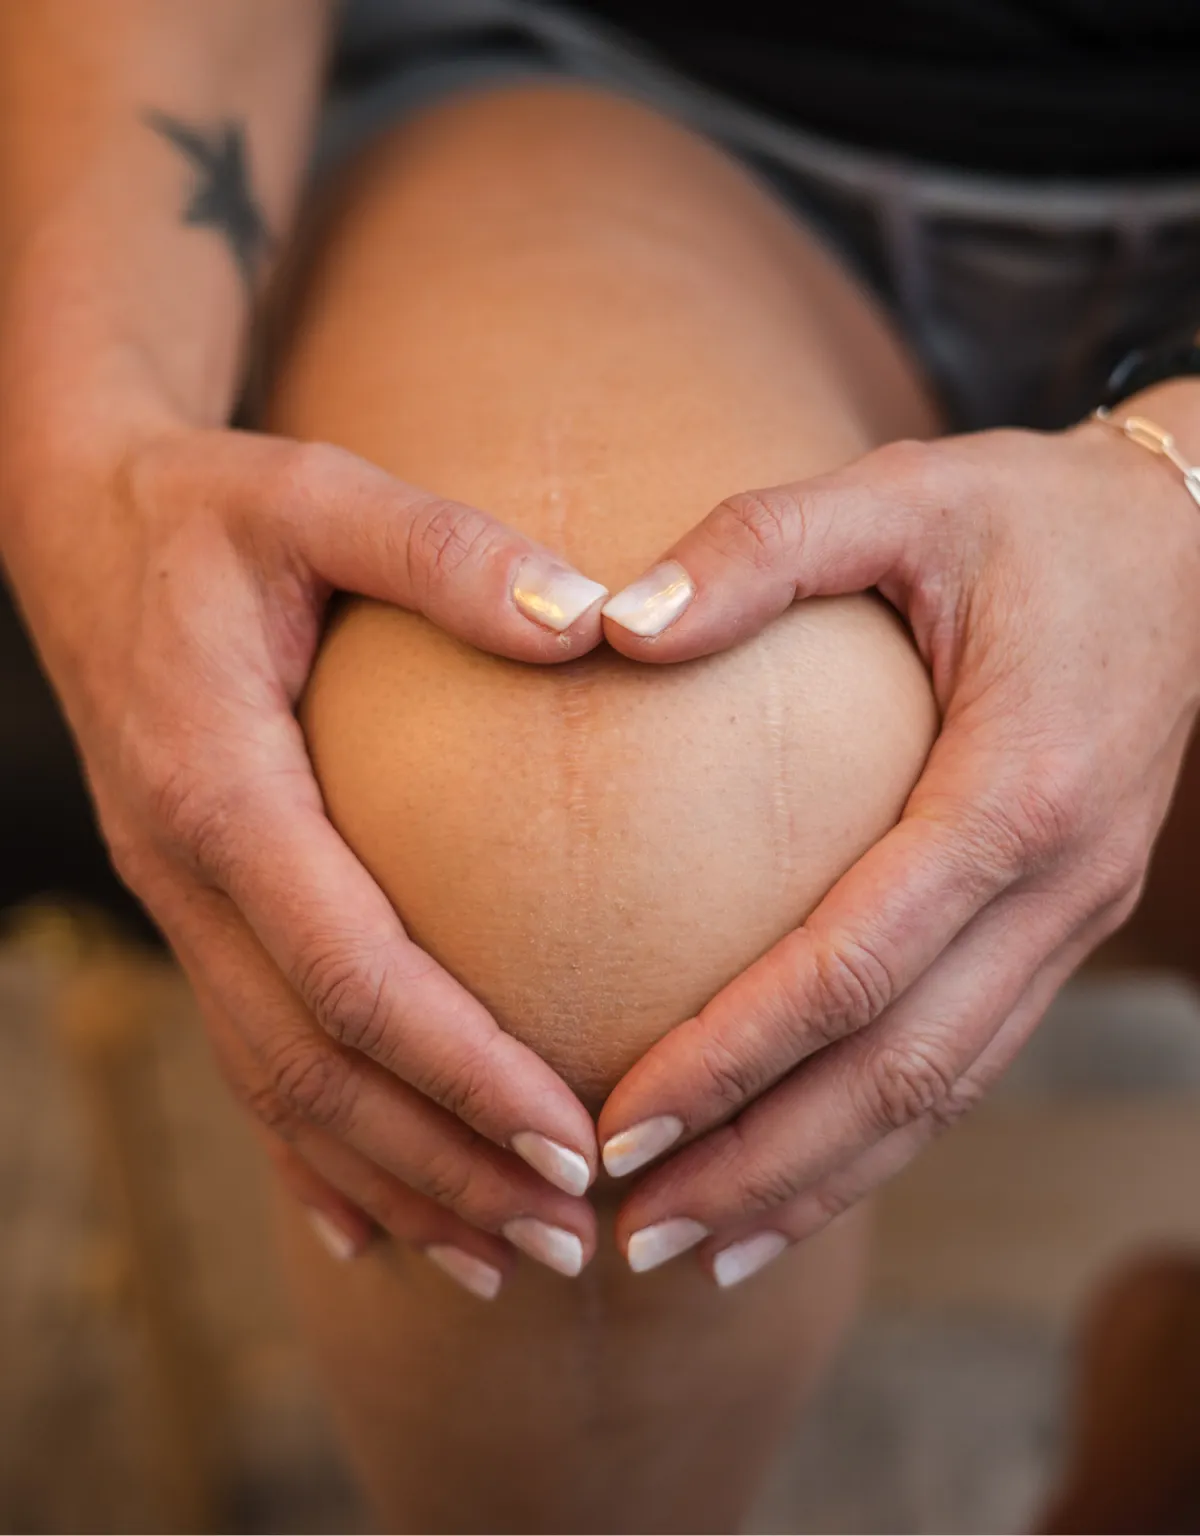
(565,1169)
(741,1260)
(553,595)
(554,1246)
(479,1278)
(647,606)
(641,1143)
(336,1242)
(654,1245)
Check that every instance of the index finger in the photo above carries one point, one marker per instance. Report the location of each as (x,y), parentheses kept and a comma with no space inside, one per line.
(361,530)
(343,949)
(876,931)
(756,553)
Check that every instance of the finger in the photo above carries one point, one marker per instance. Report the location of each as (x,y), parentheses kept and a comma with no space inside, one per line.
(343,1228)
(296,1082)
(737,1254)
(364,531)
(338,941)
(756,553)
(478,1262)
(351,1199)
(910,1065)
(878,929)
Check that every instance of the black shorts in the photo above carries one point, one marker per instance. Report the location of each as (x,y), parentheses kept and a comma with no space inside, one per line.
(1016,296)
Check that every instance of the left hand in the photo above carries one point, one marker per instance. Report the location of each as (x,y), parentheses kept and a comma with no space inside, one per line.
(1052,585)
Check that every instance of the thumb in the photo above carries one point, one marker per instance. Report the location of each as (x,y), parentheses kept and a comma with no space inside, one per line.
(758,552)
(364,531)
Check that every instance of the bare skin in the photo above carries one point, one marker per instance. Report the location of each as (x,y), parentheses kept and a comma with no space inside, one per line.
(149,170)
(174,575)
(606,326)
(178,619)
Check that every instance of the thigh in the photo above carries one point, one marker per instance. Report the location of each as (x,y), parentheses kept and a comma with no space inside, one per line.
(577,283)
(557,306)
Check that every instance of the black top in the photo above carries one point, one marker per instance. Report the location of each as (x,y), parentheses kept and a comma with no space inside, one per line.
(1029,87)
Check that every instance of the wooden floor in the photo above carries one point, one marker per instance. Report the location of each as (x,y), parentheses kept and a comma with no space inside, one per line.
(943,1416)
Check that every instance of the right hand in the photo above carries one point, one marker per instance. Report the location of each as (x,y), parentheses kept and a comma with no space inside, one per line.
(175,580)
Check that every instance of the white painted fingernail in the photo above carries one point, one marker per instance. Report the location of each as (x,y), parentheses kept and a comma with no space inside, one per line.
(480,1279)
(336,1242)
(654,1245)
(565,1169)
(554,1246)
(648,605)
(553,595)
(743,1259)
(641,1143)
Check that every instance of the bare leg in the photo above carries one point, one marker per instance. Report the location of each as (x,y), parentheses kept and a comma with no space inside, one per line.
(556,306)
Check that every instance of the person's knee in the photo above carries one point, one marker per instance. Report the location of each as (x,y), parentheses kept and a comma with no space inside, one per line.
(595,849)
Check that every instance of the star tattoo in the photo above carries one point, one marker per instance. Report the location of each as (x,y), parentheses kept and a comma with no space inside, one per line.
(220,198)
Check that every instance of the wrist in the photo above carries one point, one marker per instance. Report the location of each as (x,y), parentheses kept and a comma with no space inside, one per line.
(68,433)
(1158,421)
(80,334)
(1173,404)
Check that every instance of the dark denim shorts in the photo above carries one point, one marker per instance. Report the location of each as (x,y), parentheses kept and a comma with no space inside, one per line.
(1017,296)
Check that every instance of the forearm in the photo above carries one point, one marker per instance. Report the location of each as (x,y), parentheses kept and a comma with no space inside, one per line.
(128,263)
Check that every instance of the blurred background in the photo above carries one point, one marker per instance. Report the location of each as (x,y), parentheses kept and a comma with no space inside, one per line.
(150,1378)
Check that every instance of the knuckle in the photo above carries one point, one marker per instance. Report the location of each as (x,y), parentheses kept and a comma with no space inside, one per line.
(1120,901)
(293,486)
(313,466)
(188,815)
(852,987)
(299,475)
(466,1088)
(834,1199)
(765,1186)
(1126,903)
(1053,808)
(311,1082)
(759,528)
(1046,813)
(129,855)
(1120,870)
(909,463)
(451,1179)
(388,1202)
(205,826)
(442,538)
(989,842)
(1024,827)
(346,992)
(270,1109)
(730,1078)
(964,1096)
(390,1205)
(908,1083)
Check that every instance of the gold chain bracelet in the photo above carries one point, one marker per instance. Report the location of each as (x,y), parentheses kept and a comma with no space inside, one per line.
(1147,435)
